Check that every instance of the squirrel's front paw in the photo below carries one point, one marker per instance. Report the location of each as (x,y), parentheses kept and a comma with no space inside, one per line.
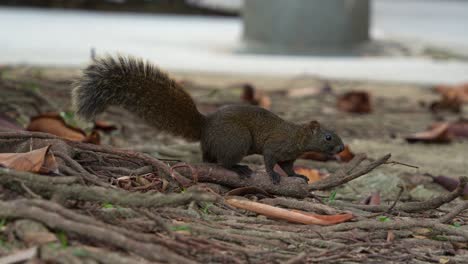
(242,170)
(300,176)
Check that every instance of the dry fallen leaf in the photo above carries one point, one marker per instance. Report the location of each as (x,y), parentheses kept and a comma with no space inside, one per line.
(104,126)
(452,97)
(39,161)
(458,92)
(375,198)
(140,183)
(450,184)
(437,134)
(458,128)
(254,96)
(303,91)
(312,174)
(441,132)
(53,123)
(355,102)
(293,216)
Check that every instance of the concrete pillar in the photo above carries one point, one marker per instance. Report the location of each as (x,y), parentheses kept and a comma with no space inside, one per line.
(305,26)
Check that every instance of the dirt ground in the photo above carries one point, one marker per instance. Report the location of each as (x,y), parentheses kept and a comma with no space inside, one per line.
(398,110)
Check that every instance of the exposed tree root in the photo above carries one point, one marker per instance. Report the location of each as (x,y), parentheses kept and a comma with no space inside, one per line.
(197,226)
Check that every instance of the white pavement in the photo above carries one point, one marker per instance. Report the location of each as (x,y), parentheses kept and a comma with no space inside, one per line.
(64,38)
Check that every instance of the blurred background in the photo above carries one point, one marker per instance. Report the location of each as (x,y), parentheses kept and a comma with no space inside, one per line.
(415,41)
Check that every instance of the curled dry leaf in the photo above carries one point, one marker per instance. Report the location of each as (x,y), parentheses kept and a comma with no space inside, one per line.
(53,123)
(441,132)
(141,183)
(312,174)
(375,198)
(39,161)
(452,98)
(355,102)
(309,91)
(293,216)
(458,128)
(437,134)
(450,184)
(104,126)
(254,96)
(460,91)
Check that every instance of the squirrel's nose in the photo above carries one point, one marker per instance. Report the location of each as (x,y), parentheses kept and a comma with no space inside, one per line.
(339,148)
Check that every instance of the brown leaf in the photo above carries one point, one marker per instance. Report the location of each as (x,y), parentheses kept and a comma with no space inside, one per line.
(293,216)
(104,126)
(452,98)
(372,199)
(459,128)
(454,92)
(355,102)
(39,161)
(450,184)
(93,138)
(53,123)
(312,174)
(390,236)
(437,134)
(375,198)
(254,96)
(143,182)
(303,91)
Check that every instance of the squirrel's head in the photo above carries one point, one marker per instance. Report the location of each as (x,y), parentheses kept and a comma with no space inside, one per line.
(321,140)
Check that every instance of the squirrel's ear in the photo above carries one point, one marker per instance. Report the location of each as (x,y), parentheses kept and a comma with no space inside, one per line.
(313,125)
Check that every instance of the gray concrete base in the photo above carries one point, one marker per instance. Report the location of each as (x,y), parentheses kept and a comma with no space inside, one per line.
(305,26)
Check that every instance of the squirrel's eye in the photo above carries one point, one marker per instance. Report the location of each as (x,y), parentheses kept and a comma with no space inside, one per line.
(328,137)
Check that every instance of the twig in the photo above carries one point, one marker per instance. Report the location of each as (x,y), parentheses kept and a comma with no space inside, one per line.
(345,175)
(401,163)
(454,212)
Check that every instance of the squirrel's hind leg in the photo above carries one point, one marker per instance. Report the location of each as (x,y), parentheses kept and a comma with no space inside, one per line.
(228,149)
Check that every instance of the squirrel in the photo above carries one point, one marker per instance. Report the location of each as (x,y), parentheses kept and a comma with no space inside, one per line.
(226,135)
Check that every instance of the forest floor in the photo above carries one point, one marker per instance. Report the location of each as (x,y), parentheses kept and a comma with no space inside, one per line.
(140,195)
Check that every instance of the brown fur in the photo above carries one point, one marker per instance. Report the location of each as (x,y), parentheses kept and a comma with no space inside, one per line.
(140,88)
(226,136)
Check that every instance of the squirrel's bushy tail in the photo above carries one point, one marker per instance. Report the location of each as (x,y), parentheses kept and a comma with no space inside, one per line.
(141,88)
